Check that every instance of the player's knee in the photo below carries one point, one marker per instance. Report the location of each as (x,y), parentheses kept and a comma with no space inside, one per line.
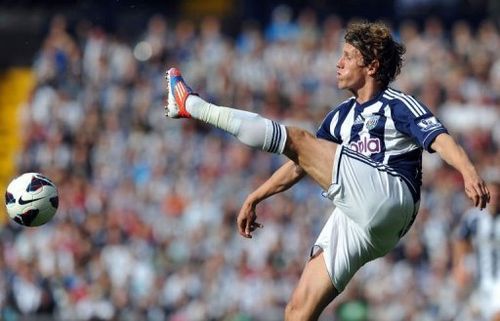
(295,137)
(297,134)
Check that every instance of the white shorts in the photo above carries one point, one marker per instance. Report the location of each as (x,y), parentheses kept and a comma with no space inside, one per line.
(374,208)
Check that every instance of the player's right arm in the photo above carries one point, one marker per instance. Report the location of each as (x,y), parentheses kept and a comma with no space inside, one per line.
(284,178)
(453,154)
(417,121)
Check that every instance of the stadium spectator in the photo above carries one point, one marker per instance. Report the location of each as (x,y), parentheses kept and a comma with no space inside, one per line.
(479,233)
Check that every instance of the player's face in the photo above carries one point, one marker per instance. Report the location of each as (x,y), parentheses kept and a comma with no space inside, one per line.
(351,71)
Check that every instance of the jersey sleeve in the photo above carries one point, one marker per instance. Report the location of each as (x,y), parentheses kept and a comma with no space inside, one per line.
(416,120)
(327,129)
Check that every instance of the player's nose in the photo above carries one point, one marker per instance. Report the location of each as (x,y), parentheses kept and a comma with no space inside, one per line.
(340,63)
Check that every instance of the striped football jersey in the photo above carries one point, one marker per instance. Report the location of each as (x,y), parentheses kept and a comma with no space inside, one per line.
(391,129)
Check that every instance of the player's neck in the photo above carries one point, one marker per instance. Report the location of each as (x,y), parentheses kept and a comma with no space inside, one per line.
(367,92)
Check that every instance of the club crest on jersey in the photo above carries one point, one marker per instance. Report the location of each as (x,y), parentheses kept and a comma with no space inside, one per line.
(428,124)
(371,122)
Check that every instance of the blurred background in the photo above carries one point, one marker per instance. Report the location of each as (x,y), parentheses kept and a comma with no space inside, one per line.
(146,226)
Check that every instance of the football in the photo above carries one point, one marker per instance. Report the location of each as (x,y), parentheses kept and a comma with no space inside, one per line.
(31,199)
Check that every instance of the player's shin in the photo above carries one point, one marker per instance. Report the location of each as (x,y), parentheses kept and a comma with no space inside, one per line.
(250,128)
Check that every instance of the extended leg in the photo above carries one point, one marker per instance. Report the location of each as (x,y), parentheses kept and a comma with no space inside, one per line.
(314,155)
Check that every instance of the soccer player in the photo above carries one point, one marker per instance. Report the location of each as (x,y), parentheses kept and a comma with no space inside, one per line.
(366,157)
(479,233)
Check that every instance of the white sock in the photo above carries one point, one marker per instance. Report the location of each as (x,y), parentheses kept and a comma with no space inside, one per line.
(250,128)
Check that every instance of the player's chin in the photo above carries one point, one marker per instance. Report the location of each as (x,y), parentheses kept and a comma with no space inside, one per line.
(341,85)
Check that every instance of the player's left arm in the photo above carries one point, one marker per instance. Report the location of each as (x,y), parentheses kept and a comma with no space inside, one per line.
(282,179)
(453,154)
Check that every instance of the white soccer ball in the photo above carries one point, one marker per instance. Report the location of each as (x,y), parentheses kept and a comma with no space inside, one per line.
(31,199)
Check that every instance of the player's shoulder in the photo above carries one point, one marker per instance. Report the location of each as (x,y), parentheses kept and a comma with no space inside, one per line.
(403,103)
(344,105)
(347,103)
(395,96)
(340,109)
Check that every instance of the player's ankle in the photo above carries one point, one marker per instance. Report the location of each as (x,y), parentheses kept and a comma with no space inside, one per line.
(194,104)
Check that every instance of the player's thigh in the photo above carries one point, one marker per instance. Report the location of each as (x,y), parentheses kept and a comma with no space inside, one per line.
(314,291)
(314,155)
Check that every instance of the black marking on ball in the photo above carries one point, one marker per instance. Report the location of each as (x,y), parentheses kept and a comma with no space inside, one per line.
(9,198)
(54,201)
(27,217)
(37,182)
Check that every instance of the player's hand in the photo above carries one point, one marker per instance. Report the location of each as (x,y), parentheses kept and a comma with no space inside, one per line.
(247,219)
(476,189)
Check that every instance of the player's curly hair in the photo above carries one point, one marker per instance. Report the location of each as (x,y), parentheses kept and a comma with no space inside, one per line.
(375,42)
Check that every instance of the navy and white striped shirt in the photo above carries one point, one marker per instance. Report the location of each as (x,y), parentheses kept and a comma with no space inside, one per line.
(391,129)
(482,230)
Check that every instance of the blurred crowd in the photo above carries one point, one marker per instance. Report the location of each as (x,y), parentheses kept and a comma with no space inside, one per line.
(146,226)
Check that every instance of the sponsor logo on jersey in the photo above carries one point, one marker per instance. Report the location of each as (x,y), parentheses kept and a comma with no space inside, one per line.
(372,122)
(366,145)
(428,124)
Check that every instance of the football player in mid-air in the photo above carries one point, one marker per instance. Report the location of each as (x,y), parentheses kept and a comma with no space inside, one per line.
(366,157)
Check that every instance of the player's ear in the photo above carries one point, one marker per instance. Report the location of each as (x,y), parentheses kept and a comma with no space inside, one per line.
(373,67)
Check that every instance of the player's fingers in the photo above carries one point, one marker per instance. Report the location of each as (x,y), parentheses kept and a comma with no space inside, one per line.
(257,225)
(242,224)
(485,191)
(246,233)
(474,198)
(484,200)
(241,228)
(248,228)
(473,195)
(482,195)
